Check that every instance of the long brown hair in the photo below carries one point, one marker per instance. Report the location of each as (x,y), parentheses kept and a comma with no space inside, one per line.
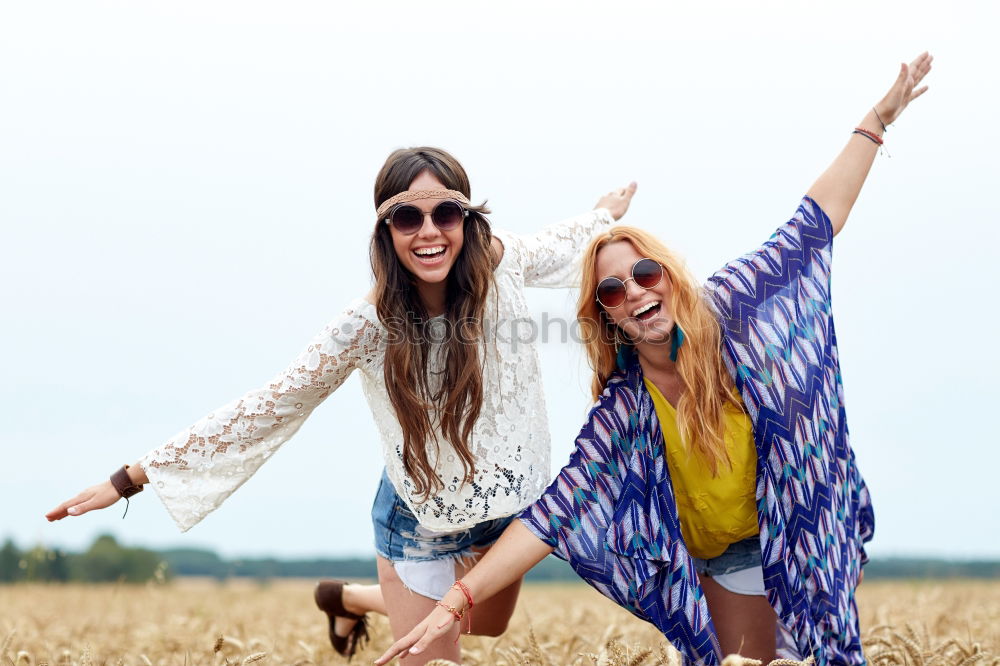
(708,387)
(451,402)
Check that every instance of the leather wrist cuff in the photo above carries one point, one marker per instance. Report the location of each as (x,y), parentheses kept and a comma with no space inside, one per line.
(123,484)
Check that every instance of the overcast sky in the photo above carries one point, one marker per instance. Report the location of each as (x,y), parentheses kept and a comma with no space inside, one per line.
(186,198)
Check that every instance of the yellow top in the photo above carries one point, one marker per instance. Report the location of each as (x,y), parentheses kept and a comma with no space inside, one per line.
(714,511)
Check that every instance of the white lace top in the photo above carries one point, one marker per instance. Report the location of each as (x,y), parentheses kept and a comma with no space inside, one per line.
(197,469)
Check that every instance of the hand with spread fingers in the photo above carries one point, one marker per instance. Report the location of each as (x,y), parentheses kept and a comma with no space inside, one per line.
(618,200)
(904,90)
(837,189)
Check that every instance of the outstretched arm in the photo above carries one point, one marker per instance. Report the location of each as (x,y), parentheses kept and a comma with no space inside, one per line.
(549,258)
(838,188)
(515,552)
(197,469)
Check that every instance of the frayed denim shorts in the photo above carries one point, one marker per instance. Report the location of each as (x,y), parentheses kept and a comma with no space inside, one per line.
(423,558)
(738,568)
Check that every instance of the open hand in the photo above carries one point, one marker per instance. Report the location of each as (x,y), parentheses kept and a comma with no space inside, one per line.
(618,200)
(96,497)
(434,626)
(902,91)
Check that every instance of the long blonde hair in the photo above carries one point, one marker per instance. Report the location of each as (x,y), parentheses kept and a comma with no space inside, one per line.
(707,385)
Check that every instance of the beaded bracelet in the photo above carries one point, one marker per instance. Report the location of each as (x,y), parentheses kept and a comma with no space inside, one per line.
(460,585)
(458,613)
(871,136)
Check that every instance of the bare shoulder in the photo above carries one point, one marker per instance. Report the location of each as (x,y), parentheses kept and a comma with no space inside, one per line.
(497,247)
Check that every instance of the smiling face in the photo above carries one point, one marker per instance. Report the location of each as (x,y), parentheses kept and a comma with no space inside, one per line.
(430,253)
(645,315)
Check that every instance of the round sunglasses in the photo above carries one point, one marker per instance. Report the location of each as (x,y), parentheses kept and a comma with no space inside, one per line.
(611,291)
(407,218)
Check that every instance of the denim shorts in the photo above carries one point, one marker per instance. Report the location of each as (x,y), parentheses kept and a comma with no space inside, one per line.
(740,555)
(738,568)
(423,558)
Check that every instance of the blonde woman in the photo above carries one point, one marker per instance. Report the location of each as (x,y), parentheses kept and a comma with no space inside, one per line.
(713,491)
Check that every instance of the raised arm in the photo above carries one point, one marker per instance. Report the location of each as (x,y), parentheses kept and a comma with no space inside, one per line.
(514,553)
(197,469)
(838,188)
(549,257)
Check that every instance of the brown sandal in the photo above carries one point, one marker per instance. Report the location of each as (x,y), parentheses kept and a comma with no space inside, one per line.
(329,596)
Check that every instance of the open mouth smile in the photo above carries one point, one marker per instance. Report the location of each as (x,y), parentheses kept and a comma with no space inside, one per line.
(433,254)
(647,311)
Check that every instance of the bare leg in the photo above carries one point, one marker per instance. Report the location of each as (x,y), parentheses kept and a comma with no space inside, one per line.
(406,610)
(489,619)
(745,623)
(359,599)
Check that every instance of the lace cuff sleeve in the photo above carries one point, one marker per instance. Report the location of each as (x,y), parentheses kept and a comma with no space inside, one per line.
(550,257)
(197,469)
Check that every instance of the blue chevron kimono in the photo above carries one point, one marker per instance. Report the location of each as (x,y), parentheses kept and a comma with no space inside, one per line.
(611,512)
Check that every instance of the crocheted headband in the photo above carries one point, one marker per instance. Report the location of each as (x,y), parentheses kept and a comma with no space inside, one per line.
(411,195)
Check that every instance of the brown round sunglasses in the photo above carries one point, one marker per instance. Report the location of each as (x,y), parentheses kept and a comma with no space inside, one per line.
(407,218)
(646,273)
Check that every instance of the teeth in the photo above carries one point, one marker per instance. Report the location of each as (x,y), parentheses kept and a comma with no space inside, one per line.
(645,308)
(430,250)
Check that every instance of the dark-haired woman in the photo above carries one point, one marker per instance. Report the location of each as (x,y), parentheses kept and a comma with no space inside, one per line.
(451,382)
(713,491)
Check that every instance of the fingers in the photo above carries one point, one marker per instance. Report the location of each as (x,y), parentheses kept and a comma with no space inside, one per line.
(617,201)
(918,70)
(403,645)
(922,61)
(418,639)
(394,651)
(921,68)
(61,511)
(626,191)
(422,644)
(908,81)
(95,497)
(84,507)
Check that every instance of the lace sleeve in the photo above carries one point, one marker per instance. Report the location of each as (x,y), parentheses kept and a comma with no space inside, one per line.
(197,469)
(550,257)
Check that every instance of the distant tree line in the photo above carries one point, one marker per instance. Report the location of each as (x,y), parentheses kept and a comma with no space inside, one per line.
(915,567)
(105,561)
(199,562)
(108,561)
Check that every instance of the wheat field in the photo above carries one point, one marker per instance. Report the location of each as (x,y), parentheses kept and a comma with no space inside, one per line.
(194,622)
